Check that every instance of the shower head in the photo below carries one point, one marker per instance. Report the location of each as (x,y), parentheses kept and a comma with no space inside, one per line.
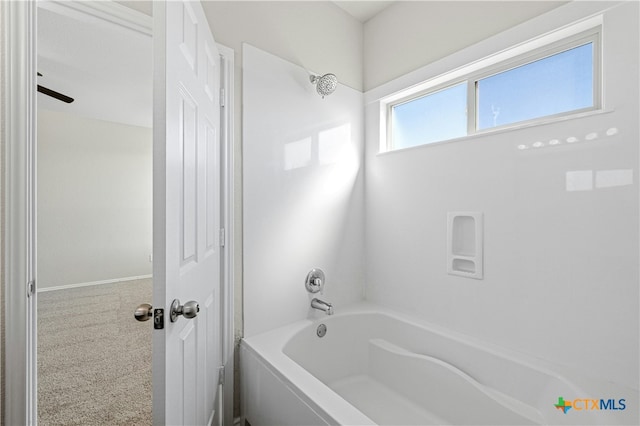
(325,85)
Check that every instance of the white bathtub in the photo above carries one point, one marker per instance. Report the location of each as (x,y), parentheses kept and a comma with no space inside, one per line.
(375,366)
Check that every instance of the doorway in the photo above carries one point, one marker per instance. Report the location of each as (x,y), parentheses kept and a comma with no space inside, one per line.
(94,215)
(19,134)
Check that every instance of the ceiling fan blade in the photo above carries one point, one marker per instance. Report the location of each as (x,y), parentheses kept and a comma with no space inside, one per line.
(54,94)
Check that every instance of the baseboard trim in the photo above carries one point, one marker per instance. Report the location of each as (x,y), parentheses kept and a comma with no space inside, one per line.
(87,284)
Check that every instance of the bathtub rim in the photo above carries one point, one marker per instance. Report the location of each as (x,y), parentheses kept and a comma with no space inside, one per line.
(270,347)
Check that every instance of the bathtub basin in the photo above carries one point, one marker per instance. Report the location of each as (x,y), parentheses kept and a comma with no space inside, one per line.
(376,366)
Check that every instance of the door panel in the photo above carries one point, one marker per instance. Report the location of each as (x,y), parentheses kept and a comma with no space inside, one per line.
(187,353)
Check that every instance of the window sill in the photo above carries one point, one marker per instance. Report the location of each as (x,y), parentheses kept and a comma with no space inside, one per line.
(505,129)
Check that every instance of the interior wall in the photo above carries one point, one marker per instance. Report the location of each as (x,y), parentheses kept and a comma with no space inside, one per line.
(411,34)
(94,200)
(560,221)
(318,36)
(144,6)
(303,192)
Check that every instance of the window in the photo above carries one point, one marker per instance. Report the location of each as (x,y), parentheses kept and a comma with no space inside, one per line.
(430,118)
(553,85)
(556,80)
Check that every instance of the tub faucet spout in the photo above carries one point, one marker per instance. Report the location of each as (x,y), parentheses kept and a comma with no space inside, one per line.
(321,305)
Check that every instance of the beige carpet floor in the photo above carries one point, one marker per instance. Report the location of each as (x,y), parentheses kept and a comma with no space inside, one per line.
(94,358)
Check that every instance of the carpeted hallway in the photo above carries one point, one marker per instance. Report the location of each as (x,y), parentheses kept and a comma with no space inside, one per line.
(94,358)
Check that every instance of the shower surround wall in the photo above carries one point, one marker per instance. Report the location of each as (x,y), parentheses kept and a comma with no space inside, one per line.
(302,191)
(560,221)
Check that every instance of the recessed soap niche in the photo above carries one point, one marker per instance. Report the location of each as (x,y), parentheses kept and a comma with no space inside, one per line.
(464,244)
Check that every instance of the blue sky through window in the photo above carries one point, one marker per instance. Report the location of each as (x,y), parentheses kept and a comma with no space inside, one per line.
(435,117)
(556,84)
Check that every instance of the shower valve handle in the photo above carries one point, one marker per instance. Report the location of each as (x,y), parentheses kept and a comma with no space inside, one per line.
(315,280)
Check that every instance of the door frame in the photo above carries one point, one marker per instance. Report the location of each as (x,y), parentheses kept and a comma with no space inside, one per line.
(18,209)
(19,107)
(227,201)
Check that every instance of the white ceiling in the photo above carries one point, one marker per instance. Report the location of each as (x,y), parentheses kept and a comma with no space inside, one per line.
(363,10)
(106,68)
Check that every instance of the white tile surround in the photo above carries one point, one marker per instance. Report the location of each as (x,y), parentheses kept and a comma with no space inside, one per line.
(560,220)
(302,189)
(561,230)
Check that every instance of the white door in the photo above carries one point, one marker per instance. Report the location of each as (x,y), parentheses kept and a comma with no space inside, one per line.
(186,210)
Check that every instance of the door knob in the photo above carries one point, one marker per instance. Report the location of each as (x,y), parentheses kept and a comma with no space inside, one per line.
(143,312)
(188,310)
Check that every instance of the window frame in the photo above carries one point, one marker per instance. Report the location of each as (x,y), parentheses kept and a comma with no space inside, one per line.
(418,95)
(592,35)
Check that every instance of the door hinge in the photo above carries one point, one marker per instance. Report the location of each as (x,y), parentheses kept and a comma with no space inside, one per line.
(31,288)
(221,375)
(222,96)
(223,237)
